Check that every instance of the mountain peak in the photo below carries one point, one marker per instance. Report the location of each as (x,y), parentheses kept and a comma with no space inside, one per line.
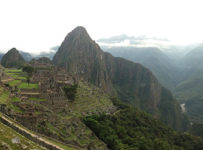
(78,33)
(79,29)
(12,59)
(13,50)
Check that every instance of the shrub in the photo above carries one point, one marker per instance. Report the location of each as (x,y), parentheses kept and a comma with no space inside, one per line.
(70,91)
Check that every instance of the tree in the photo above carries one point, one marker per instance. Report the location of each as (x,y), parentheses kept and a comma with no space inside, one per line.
(29,70)
(70,91)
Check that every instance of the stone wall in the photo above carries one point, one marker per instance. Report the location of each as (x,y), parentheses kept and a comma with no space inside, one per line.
(29,136)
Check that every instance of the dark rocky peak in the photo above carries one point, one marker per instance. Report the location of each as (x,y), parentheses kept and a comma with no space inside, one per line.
(78,33)
(13,51)
(12,59)
(77,45)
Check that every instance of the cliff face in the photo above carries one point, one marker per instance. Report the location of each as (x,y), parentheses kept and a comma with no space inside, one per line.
(12,59)
(131,82)
(82,56)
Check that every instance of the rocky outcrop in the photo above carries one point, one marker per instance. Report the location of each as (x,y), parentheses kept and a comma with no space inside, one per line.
(131,82)
(12,59)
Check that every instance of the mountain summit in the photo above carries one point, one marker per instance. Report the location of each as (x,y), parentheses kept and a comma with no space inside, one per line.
(129,81)
(82,56)
(12,59)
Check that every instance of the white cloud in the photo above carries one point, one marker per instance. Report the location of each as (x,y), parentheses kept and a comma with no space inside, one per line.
(37,25)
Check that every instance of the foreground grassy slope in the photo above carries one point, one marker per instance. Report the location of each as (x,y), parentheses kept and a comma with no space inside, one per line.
(10,139)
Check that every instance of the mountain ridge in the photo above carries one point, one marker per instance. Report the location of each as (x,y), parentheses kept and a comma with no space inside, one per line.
(131,82)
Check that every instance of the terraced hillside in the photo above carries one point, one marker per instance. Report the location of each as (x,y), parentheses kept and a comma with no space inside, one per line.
(61,121)
(10,139)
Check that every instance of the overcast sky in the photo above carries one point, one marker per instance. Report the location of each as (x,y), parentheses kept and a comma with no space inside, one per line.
(37,25)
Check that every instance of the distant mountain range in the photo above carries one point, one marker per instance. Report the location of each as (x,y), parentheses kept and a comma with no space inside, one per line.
(183,74)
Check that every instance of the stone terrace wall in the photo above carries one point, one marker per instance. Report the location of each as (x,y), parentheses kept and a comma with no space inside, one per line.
(29,136)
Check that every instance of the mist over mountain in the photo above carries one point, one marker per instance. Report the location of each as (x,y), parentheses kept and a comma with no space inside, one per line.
(29,56)
(179,68)
(1,55)
(194,58)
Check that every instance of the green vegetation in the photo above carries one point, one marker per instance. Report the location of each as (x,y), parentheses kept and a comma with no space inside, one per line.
(12,70)
(16,74)
(70,91)
(29,70)
(25,85)
(4,97)
(8,135)
(37,99)
(14,83)
(90,99)
(15,99)
(131,129)
(197,129)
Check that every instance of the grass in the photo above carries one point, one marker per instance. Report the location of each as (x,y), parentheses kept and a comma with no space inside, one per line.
(15,108)
(90,99)
(37,99)
(4,97)
(14,83)
(15,99)
(7,134)
(12,70)
(16,74)
(25,85)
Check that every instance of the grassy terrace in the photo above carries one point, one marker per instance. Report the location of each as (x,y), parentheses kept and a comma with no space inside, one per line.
(4,97)
(25,85)
(34,145)
(36,99)
(8,135)
(16,74)
(89,100)
(14,83)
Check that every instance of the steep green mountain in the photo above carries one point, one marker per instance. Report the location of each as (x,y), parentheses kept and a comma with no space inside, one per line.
(12,59)
(132,129)
(152,58)
(189,91)
(131,82)
(194,58)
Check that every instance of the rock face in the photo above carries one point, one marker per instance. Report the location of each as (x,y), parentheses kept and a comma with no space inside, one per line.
(12,59)
(131,82)
(152,58)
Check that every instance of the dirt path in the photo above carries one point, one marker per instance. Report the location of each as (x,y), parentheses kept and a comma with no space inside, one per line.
(34,136)
(29,93)
(6,80)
